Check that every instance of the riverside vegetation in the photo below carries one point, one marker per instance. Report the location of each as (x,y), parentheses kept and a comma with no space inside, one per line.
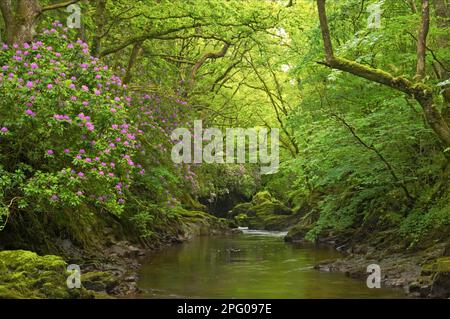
(86,116)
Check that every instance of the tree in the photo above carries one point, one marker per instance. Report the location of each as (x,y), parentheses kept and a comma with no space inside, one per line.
(21,18)
(421,92)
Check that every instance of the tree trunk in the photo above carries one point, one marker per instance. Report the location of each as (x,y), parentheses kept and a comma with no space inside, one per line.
(100,20)
(133,57)
(20,23)
(21,17)
(422,40)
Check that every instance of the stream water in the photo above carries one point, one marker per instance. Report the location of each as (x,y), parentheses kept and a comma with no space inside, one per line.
(255,264)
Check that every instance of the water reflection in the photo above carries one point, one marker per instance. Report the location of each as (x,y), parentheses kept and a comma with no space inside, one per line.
(250,265)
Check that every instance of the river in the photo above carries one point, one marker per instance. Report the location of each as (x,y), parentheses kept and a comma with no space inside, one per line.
(255,264)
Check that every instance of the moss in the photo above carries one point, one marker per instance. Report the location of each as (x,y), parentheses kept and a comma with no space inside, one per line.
(244,208)
(276,222)
(264,212)
(192,204)
(272,208)
(99,281)
(262,197)
(196,223)
(297,233)
(434,280)
(241,220)
(24,274)
(440,265)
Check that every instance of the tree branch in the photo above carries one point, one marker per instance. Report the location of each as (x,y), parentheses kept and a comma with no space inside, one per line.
(421,92)
(143,37)
(207,56)
(59,5)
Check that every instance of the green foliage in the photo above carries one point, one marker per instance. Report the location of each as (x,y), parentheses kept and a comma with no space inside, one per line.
(354,153)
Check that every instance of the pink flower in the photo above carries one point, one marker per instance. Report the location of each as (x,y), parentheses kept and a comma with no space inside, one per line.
(50,86)
(4,130)
(30,113)
(50,152)
(29,84)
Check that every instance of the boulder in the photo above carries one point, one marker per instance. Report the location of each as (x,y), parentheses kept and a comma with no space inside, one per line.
(24,274)
(263,212)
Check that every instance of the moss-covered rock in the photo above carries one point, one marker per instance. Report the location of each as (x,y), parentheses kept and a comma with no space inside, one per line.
(24,274)
(263,212)
(100,281)
(297,233)
(197,223)
(242,209)
(262,197)
(192,204)
(434,280)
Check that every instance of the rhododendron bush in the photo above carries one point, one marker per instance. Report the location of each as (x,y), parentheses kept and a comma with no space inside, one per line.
(72,133)
(66,135)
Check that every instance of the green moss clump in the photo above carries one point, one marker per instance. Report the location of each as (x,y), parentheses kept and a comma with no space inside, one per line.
(24,274)
(263,212)
(262,197)
(99,281)
(242,209)
(241,220)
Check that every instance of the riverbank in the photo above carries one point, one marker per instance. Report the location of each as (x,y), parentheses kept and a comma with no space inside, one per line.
(418,263)
(421,272)
(109,271)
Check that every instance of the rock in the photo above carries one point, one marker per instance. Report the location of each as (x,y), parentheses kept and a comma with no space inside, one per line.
(437,276)
(297,233)
(99,281)
(24,274)
(263,212)
(241,209)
